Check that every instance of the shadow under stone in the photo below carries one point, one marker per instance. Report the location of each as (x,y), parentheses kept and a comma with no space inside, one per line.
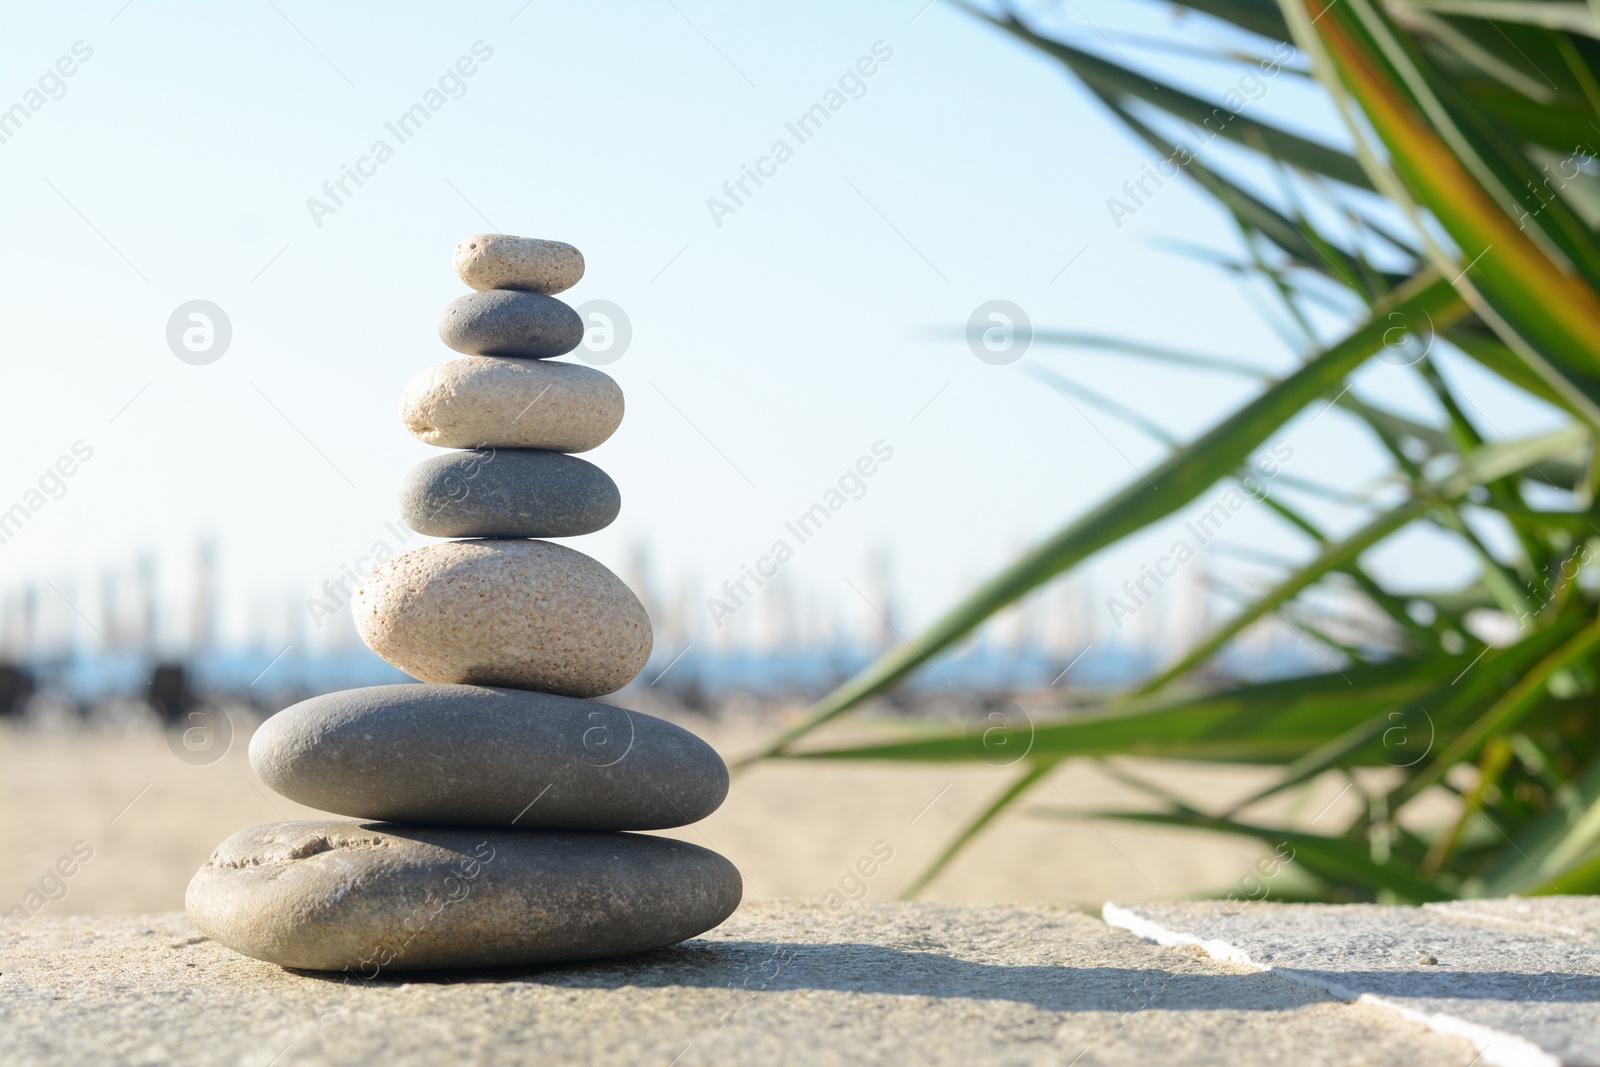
(755,967)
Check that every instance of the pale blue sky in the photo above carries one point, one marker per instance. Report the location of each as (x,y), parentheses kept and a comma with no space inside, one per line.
(769,352)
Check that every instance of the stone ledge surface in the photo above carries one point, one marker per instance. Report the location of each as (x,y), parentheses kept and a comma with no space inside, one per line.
(780,982)
(1520,979)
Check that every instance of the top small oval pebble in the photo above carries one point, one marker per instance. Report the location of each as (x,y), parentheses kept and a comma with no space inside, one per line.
(501,261)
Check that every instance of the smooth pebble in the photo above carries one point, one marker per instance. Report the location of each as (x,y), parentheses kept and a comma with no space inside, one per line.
(376,897)
(489,402)
(465,755)
(501,261)
(520,614)
(505,322)
(508,492)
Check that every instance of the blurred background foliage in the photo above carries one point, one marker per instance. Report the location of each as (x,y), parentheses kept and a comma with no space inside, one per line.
(1461,217)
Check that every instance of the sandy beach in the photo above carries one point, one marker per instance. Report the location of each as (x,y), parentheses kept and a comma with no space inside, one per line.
(795,829)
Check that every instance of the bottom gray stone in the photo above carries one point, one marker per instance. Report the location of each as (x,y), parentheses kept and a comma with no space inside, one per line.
(374,897)
(1520,979)
(781,982)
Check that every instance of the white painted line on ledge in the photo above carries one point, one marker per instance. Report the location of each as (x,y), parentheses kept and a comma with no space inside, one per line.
(1496,1047)
(1135,923)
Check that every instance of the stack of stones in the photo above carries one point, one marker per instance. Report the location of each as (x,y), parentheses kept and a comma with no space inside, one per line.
(493,796)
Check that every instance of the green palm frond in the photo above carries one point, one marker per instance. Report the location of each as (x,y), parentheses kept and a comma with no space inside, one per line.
(1473,179)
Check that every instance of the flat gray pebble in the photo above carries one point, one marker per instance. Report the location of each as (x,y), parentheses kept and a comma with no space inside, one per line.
(468,755)
(372,898)
(508,492)
(506,322)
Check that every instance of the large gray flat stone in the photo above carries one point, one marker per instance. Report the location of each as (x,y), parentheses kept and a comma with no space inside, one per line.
(1518,978)
(780,982)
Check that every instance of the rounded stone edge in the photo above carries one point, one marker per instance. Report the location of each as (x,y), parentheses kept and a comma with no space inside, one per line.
(375,627)
(309,721)
(426,479)
(224,926)
(435,389)
(475,262)
(562,332)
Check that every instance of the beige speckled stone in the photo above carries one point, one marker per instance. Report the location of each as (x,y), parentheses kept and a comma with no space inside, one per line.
(486,401)
(501,261)
(378,897)
(519,614)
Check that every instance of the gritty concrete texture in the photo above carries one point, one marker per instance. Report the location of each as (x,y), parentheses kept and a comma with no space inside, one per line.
(373,896)
(489,402)
(466,755)
(501,261)
(508,492)
(1520,979)
(505,322)
(779,983)
(519,614)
